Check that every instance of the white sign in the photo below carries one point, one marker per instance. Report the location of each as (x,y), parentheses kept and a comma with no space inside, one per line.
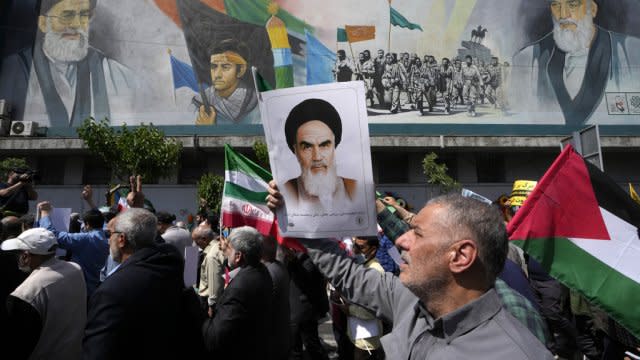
(318,139)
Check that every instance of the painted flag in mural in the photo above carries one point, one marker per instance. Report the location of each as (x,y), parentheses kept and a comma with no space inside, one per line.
(183,75)
(398,19)
(341,35)
(245,192)
(583,228)
(320,61)
(360,33)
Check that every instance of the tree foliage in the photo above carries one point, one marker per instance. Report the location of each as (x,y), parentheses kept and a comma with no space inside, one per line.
(11,163)
(262,154)
(140,150)
(437,174)
(210,188)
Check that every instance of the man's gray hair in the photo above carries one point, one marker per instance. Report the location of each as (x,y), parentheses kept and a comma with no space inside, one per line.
(139,227)
(483,223)
(248,241)
(205,232)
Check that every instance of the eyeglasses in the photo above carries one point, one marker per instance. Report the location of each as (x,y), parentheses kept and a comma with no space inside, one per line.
(108,233)
(67,16)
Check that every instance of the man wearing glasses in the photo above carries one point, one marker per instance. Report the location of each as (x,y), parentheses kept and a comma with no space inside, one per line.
(72,80)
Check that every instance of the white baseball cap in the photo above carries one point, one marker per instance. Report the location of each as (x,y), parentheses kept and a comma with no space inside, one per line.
(39,241)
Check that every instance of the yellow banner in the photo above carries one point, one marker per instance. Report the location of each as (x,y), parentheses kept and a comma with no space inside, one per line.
(521,189)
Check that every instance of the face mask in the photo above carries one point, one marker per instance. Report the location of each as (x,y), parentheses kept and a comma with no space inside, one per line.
(359,259)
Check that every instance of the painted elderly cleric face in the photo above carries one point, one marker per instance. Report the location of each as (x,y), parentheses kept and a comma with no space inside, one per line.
(575,10)
(66,30)
(226,71)
(315,147)
(573,27)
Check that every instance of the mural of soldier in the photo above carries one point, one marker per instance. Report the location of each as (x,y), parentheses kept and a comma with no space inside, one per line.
(63,76)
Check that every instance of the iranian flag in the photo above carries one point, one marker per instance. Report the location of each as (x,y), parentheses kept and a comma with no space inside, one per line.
(245,192)
(583,228)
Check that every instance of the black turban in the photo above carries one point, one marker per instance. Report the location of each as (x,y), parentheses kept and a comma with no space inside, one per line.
(309,110)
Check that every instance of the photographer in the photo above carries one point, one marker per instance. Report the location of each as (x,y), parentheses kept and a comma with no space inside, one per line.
(16,192)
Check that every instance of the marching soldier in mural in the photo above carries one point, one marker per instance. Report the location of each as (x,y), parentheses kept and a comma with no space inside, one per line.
(392,80)
(458,83)
(367,73)
(416,83)
(430,79)
(378,63)
(231,98)
(472,81)
(551,73)
(405,68)
(63,76)
(446,84)
(344,68)
(484,74)
(494,81)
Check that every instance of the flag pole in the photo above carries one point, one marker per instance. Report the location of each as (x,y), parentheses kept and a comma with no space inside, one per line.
(389,38)
(355,62)
(174,86)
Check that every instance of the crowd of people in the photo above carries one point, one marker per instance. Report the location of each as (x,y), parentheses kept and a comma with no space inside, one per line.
(114,288)
(398,81)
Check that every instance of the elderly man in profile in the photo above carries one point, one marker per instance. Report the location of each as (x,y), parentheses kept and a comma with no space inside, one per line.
(47,312)
(242,324)
(313,130)
(443,305)
(571,69)
(211,269)
(137,311)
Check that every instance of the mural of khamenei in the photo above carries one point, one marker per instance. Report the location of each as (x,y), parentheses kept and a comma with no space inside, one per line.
(65,79)
(572,69)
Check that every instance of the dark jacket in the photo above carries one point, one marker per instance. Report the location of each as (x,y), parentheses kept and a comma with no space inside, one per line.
(243,320)
(138,312)
(307,294)
(280,343)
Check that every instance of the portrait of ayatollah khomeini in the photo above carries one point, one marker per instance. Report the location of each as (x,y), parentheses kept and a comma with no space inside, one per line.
(313,131)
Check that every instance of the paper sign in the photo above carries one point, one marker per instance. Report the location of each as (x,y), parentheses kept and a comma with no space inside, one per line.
(190,265)
(60,218)
(318,139)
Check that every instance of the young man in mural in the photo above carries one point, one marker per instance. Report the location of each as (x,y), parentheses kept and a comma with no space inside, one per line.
(458,82)
(231,98)
(344,68)
(63,76)
(446,84)
(552,72)
(379,62)
(392,79)
(367,73)
(494,81)
(472,83)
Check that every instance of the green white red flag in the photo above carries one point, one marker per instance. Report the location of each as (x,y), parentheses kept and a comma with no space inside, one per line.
(583,228)
(244,197)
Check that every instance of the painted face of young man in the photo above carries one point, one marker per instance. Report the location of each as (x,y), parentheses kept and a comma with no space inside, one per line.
(226,71)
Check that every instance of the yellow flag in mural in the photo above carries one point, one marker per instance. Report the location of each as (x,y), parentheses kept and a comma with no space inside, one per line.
(360,33)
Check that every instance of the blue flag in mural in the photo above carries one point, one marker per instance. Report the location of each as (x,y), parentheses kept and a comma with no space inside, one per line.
(183,75)
(320,61)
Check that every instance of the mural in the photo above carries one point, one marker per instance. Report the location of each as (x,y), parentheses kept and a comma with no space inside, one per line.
(187,62)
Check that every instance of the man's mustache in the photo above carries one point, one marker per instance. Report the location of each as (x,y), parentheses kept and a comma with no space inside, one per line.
(568,22)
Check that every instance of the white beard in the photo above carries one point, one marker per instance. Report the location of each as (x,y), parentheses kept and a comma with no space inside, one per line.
(321,185)
(59,49)
(571,41)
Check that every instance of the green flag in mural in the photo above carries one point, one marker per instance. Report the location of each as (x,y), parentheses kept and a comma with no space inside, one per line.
(342,35)
(398,20)
(257,12)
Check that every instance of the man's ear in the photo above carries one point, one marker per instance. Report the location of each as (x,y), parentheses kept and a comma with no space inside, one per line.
(462,256)
(122,241)
(42,23)
(594,8)
(243,69)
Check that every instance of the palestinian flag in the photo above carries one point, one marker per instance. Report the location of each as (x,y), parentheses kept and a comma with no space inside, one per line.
(583,228)
(245,192)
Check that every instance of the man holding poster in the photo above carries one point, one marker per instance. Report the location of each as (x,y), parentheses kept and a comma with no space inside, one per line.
(326,181)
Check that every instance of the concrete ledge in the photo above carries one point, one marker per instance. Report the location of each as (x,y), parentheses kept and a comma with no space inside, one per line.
(216,143)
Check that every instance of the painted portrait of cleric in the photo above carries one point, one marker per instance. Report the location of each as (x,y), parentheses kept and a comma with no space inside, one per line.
(313,131)
(65,79)
(571,69)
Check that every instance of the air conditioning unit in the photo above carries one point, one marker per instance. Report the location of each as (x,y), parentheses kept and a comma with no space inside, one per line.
(23,128)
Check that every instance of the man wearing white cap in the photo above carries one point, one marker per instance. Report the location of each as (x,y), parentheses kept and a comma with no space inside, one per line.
(47,312)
